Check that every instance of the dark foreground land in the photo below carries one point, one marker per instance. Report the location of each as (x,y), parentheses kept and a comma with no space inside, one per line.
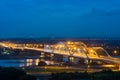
(103,75)
(18,74)
(10,73)
(59,73)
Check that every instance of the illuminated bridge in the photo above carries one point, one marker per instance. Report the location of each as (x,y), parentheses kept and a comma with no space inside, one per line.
(70,49)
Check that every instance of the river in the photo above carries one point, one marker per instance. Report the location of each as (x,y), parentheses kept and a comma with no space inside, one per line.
(18,62)
(22,62)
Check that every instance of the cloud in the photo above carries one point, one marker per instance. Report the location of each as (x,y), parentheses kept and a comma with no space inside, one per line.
(102,12)
(113,12)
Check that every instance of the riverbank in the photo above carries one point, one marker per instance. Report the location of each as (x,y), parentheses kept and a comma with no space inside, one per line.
(68,73)
(45,72)
(57,69)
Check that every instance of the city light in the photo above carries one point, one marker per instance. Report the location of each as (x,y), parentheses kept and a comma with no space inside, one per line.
(70,49)
(115,52)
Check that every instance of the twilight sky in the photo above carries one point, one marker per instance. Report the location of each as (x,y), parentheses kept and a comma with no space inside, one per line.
(59,18)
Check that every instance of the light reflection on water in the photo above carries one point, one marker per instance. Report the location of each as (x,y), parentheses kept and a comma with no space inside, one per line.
(24,62)
(19,62)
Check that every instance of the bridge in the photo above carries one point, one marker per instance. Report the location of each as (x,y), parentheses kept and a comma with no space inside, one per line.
(68,48)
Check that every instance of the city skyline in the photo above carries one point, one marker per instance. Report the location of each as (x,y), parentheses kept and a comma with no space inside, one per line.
(59,18)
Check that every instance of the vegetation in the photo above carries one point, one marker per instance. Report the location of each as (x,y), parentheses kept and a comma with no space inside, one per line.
(103,75)
(106,75)
(69,76)
(10,73)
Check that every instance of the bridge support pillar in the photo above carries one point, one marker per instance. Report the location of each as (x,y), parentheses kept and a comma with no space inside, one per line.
(52,56)
(42,56)
(88,61)
(71,59)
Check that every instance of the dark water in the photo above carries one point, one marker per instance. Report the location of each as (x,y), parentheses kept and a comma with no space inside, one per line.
(23,62)
(18,62)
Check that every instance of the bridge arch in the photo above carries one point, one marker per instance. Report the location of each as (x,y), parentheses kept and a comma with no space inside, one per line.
(61,48)
(77,49)
(98,52)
